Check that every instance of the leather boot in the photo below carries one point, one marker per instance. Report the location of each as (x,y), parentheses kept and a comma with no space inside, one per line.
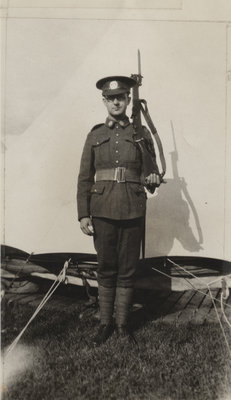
(123,305)
(106,306)
(104,332)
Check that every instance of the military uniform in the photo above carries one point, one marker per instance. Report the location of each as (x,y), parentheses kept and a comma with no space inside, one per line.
(111,146)
(110,150)
(111,192)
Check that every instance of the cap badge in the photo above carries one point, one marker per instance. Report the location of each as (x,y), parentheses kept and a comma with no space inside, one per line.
(113,85)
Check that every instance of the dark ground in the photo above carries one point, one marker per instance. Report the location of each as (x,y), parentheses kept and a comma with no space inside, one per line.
(169,362)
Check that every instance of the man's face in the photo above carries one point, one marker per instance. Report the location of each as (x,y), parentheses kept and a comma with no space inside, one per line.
(117,104)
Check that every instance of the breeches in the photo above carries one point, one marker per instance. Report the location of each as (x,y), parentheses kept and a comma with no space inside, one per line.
(117,243)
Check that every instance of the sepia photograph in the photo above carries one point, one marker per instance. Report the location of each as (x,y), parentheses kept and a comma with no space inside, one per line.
(116,200)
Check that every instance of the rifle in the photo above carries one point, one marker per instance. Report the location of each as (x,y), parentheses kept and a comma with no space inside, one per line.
(140,106)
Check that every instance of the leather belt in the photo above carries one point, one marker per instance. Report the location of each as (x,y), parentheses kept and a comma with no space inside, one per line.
(119,174)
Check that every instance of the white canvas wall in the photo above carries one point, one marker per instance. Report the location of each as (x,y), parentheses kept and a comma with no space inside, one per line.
(51,103)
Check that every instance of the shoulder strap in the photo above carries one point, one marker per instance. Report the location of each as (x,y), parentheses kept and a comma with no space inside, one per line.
(96,127)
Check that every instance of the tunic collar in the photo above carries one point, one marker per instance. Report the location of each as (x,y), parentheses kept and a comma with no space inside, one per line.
(111,122)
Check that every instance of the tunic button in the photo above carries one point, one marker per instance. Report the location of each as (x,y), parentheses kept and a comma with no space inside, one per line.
(117,151)
(117,142)
(117,161)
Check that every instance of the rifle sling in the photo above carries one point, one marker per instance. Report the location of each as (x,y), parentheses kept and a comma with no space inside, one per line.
(145,112)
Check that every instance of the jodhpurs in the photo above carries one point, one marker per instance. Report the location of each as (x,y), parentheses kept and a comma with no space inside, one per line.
(117,243)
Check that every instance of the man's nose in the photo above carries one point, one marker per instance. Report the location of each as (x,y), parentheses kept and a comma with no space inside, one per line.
(116,101)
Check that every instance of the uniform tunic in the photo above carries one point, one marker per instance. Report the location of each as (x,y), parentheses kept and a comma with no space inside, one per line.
(111,145)
(117,209)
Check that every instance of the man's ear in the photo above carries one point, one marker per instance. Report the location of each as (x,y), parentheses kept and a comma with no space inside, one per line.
(104,100)
(129,99)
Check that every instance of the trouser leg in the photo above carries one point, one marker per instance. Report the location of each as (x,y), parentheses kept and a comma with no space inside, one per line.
(128,250)
(118,248)
(105,237)
(105,241)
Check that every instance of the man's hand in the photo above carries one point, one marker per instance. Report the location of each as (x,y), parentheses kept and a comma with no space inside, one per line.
(86,226)
(153,179)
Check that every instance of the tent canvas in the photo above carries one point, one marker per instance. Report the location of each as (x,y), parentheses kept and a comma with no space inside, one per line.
(51,104)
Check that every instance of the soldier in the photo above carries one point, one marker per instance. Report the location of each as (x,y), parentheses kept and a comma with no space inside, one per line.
(111,203)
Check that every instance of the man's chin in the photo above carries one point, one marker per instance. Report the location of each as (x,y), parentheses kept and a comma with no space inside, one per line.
(117,113)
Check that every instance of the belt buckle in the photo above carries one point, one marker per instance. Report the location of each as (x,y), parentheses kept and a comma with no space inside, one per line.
(120,174)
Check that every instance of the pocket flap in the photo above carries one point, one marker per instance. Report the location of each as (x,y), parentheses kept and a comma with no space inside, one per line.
(131,140)
(98,188)
(100,140)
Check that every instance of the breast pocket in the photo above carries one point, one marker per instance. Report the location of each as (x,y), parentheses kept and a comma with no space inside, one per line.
(101,150)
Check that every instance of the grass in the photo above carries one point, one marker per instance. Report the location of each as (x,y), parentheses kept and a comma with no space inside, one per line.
(169,362)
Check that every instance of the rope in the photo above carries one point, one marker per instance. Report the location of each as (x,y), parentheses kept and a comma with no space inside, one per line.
(223,311)
(224,294)
(218,317)
(185,270)
(169,276)
(194,276)
(59,279)
(19,272)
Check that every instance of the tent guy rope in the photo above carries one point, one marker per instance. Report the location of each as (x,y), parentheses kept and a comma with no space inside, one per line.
(224,296)
(61,278)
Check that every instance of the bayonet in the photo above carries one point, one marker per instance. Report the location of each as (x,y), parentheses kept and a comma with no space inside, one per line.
(139,63)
